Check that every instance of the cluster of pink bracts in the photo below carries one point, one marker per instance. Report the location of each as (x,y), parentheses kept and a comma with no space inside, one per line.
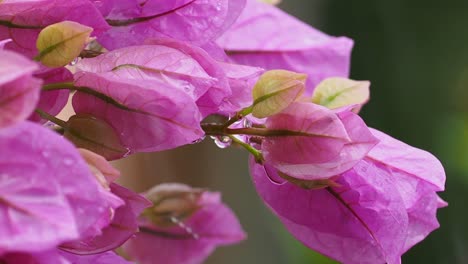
(167,68)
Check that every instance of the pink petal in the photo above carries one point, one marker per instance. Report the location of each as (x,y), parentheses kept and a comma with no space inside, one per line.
(19,90)
(108,257)
(320,138)
(258,39)
(148,115)
(408,160)
(195,21)
(123,226)
(54,101)
(361,142)
(214,224)
(154,62)
(45,186)
(362,221)
(41,13)
(418,175)
(241,81)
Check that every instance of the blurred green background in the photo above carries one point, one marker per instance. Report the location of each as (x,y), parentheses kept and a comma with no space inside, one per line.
(415,53)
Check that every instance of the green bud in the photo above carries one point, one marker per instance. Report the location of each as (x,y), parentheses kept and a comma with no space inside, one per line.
(275,91)
(171,201)
(338,92)
(61,43)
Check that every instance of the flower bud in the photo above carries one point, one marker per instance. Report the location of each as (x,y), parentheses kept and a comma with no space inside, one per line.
(338,92)
(172,201)
(60,43)
(88,132)
(275,91)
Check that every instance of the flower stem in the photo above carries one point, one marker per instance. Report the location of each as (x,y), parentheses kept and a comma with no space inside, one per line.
(239,115)
(51,118)
(255,152)
(58,86)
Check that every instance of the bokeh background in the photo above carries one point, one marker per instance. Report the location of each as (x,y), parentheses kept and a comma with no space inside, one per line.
(415,53)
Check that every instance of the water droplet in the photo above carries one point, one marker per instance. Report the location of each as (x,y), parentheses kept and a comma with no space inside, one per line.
(222,141)
(68,162)
(246,123)
(74,61)
(187,229)
(198,140)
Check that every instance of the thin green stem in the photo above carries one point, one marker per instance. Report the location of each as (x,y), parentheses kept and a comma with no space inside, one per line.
(239,115)
(58,86)
(255,152)
(51,118)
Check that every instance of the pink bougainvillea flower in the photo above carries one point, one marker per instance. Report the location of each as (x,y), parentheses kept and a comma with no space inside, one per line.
(233,84)
(376,211)
(258,39)
(61,257)
(147,115)
(327,143)
(241,80)
(48,195)
(124,219)
(19,90)
(320,143)
(191,223)
(108,257)
(418,176)
(53,101)
(180,68)
(194,21)
(23,20)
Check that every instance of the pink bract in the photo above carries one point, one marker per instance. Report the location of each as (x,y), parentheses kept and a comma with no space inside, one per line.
(54,101)
(212,225)
(19,90)
(25,19)
(147,115)
(47,187)
(360,142)
(123,226)
(195,21)
(378,210)
(266,37)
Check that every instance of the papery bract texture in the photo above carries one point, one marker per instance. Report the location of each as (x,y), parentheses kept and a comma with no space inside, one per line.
(376,211)
(418,176)
(313,142)
(189,241)
(147,115)
(23,20)
(360,142)
(362,221)
(48,195)
(108,257)
(123,226)
(19,90)
(266,37)
(46,257)
(52,102)
(241,80)
(195,21)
